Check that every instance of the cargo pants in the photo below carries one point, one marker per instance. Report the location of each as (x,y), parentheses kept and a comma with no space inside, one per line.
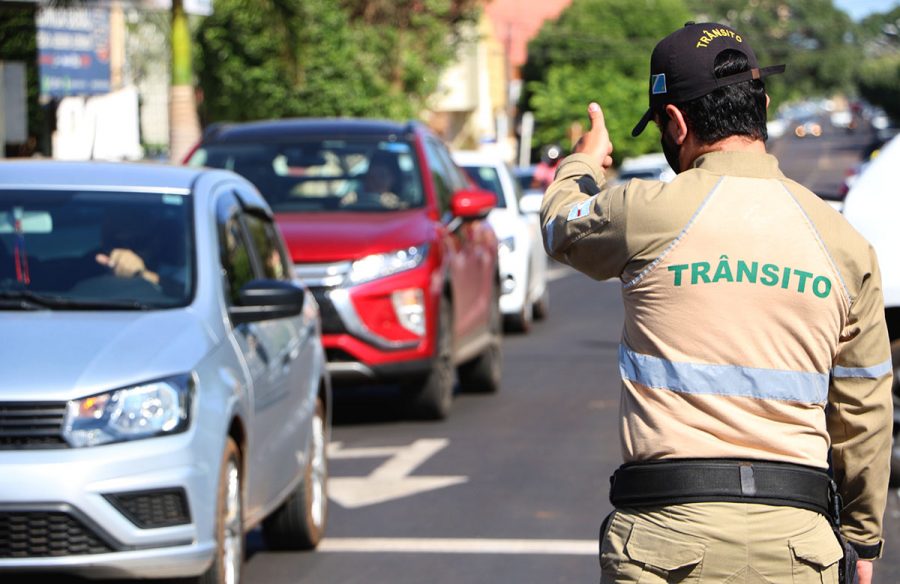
(721,543)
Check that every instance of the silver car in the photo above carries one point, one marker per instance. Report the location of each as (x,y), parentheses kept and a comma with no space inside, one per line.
(164,387)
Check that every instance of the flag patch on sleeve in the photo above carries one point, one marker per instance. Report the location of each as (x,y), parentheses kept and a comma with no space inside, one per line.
(582,209)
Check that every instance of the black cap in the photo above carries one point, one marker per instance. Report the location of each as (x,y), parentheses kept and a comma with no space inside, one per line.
(682,66)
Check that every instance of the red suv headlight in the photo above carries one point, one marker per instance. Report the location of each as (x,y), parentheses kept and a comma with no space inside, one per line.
(380,265)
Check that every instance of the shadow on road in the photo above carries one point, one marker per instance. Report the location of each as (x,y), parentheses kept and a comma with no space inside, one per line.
(377,404)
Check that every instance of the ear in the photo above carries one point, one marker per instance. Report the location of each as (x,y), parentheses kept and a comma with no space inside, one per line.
(681,127)
(767,101)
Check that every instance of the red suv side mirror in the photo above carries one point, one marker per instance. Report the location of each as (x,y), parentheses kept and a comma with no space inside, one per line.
(472,203)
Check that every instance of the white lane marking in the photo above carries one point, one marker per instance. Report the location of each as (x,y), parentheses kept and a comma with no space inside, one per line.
(391,479)
(408,459)
(336,451)
(561,547)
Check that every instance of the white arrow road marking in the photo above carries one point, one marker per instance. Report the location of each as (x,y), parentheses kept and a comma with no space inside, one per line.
(391,480)
(336,451)
(563,547)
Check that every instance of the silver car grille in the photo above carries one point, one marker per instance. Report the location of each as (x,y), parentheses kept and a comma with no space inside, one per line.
(25,426)
(47,533)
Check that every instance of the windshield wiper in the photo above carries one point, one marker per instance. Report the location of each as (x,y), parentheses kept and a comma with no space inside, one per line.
(29,300)
(19,304)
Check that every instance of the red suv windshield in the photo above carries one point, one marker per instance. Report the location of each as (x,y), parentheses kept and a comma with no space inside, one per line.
(324,174)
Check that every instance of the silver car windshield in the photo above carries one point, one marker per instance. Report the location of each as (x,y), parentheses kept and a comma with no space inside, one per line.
(362,174)
(76,250)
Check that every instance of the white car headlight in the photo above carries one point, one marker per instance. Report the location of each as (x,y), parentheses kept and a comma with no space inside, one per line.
(385,264)
(141,411)
(506,245)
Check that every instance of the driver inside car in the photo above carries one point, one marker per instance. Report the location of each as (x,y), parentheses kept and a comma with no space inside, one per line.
(379,186)
(133,245)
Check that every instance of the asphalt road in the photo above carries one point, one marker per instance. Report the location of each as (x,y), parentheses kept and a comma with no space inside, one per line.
(535,458)
(532,461)
(519,480)
(820,163)
(513,486)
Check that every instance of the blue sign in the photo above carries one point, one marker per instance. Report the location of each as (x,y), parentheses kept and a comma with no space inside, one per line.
(73,51)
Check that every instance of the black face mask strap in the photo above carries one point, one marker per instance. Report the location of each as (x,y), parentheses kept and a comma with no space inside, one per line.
(671,150)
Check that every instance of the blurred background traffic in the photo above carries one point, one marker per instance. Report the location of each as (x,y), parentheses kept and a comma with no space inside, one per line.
(141,79)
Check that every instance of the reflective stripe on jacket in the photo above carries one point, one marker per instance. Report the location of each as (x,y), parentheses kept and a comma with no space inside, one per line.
(752,308)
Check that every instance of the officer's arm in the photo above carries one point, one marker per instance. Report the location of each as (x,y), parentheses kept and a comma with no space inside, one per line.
(860,416)
(583,219)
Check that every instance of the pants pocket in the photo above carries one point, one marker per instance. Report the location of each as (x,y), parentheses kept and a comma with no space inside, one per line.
(815,556)
(608,548)
(639,552)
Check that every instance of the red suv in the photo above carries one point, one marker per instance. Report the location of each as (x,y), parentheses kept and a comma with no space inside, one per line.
(391,237)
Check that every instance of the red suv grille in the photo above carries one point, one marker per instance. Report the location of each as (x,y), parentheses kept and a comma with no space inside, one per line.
(331,320)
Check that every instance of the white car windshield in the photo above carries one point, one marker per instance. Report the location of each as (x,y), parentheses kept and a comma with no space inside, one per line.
(487,178)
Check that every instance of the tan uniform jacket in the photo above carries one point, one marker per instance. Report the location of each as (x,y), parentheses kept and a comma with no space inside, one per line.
(750,306)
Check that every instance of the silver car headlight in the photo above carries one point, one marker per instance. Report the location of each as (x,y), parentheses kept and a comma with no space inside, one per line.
(386,264)
(141,411)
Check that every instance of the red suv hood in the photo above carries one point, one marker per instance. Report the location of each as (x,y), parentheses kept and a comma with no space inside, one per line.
(328,237)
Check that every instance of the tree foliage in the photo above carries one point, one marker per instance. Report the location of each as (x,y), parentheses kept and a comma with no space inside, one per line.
(262,59)
(597,50)
(879,75)
(816,40)
(600,49)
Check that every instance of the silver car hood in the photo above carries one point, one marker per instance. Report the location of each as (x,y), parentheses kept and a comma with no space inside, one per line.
(53,355)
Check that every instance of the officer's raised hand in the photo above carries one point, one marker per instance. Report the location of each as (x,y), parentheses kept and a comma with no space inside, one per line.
(596,142)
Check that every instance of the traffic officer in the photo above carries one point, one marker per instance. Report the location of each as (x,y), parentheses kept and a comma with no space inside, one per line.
(754,358)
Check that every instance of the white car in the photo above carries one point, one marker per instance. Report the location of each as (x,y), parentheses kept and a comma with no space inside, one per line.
(525,295)
(872,207)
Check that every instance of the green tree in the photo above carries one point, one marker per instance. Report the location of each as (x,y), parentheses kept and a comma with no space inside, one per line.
(879,75)
(597,50)
(879,83)
(409,43)
(816,41)
(284,58)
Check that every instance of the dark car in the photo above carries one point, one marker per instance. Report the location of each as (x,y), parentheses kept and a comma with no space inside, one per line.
(391,237)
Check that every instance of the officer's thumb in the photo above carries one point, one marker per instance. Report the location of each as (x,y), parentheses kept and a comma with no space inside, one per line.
(596,115)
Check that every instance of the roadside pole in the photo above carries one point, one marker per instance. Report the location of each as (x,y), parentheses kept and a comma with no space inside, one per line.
(525,139)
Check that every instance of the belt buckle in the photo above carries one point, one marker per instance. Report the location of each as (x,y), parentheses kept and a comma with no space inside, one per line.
(748,481)
(835,501)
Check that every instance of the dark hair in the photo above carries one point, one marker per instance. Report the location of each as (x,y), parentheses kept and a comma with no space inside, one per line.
(733,110)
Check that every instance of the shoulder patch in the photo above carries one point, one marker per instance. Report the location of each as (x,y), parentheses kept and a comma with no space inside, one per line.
(658,84)
(582,209)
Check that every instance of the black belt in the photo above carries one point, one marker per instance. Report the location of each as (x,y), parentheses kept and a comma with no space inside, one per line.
(671,482)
